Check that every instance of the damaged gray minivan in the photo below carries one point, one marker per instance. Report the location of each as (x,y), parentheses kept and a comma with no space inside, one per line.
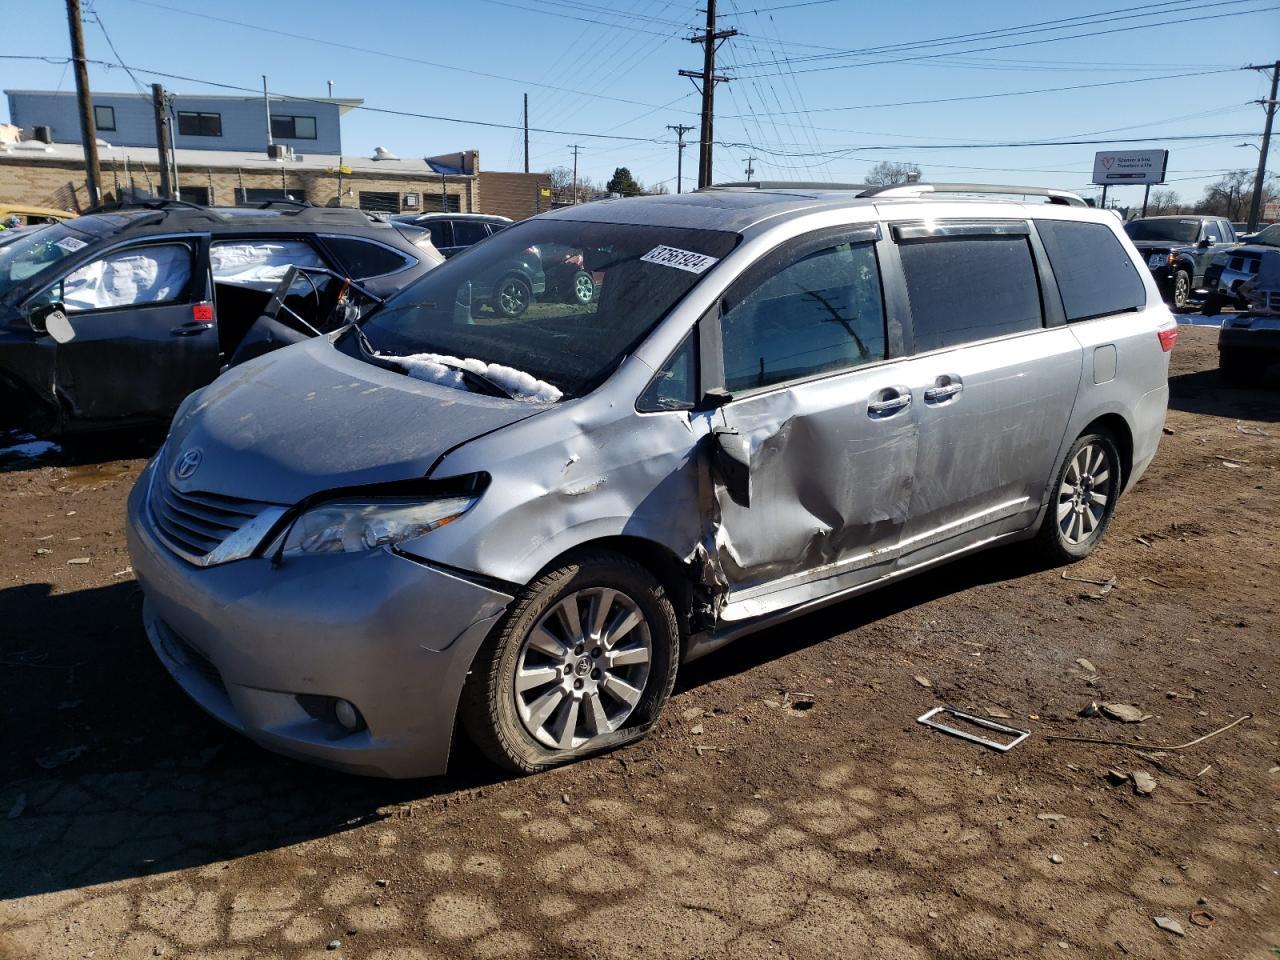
(775,399)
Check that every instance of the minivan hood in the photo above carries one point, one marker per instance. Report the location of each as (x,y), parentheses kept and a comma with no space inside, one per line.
(309,418)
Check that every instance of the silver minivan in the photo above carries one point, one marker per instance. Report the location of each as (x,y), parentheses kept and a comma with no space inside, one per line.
(442,516)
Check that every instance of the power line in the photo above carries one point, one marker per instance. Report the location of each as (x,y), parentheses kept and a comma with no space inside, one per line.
(385,54)
(1043,40)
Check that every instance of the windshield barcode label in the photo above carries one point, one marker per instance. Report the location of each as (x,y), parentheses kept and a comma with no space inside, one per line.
(680,259)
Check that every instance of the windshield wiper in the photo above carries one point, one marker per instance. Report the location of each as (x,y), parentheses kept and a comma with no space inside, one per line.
(475,379)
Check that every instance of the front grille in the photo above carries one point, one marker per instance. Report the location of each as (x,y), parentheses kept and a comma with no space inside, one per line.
(193,525)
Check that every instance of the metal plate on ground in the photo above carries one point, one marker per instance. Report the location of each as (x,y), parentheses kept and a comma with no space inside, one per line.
(928,719)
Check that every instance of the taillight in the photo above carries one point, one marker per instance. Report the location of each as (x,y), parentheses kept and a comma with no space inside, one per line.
(1167,338)
(202,312)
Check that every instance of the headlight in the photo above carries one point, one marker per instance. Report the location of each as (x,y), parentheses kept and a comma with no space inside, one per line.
(343,526)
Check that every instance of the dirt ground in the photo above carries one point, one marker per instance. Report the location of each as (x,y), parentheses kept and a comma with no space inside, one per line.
(133,826)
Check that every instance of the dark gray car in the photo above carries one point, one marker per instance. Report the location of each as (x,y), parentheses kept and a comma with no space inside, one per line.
(113,318)
(778,399)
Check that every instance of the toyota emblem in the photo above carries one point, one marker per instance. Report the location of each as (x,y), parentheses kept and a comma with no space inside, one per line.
(187,464)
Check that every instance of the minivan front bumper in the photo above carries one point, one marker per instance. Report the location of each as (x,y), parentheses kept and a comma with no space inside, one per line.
(268,650)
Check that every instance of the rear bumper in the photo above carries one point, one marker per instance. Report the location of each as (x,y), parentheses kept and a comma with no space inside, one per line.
(258,647)
(1255,341)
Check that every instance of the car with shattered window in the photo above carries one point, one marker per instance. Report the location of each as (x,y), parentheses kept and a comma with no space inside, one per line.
(111,319)
(444,520)
(1179,250)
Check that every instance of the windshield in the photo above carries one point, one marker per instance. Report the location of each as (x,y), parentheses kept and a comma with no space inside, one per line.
(1174,231)
(1269,237)
(34,252)
(560,300)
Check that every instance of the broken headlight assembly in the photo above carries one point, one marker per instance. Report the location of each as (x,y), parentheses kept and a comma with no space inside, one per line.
(349,526)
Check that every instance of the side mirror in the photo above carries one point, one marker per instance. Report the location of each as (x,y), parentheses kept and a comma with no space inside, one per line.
(51,318)
(1204,243)
(731,458)
(715,398)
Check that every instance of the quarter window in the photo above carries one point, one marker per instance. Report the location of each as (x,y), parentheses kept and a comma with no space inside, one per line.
(364,260)
(193,124)
(104,118)
(1095,274)
(467,232)
(673,388)
(969,288)
(819,313)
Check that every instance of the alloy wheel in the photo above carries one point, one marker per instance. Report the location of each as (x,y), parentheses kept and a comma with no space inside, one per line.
(513,298)
(583,667)
(584,288)
(1181,291)
(1084,494)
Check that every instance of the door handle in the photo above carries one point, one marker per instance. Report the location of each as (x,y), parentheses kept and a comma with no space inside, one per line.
(892,399)
(945,388)
(191,329)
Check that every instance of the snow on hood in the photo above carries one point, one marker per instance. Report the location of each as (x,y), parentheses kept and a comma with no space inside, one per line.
(431,367)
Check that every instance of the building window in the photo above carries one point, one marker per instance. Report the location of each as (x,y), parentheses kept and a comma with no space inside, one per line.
(380,201)
(199,124)
(293,128)
(104,118)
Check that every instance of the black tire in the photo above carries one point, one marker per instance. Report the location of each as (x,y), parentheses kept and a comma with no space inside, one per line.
(1181,292)
(1054,543)
(488,709)
(1212,305)
(581,289)
(512,296)
(1237,366)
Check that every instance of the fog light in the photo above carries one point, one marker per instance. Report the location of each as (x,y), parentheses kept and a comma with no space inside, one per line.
(347,715)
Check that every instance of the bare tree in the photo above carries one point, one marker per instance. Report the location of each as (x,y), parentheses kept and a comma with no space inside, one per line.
(1231,195)
(1162,202)
(562,184)
(888,172)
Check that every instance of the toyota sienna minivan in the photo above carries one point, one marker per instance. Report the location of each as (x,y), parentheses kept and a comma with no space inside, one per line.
(442,516)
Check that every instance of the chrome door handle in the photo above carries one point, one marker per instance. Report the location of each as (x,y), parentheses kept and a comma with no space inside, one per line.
(947,387)
(891,404)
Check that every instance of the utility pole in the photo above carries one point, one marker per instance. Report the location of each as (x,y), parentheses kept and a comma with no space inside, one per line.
(266,102)
(526,133)
(750,168)
(1255,205)
(680,129)
(710,40)
(162,139)
(575,174)
(330,83)
(88,129)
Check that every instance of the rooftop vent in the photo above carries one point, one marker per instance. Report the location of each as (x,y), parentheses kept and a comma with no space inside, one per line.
(382,153)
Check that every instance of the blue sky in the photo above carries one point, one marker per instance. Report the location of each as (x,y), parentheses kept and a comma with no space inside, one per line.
(801,105)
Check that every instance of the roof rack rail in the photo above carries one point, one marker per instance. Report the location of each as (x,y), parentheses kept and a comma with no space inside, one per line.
(283,202)
(784,185)
(1064,197)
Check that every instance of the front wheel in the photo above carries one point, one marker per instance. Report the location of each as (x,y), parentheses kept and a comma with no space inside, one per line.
(1084,498)
(1181,290)
(584,660)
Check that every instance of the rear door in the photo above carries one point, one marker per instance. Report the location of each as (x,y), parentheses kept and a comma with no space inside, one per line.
(820,400)
(144,332)
(996,378)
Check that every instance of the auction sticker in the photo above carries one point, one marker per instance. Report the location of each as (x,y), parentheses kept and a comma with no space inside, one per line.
(680,259)
(70,244)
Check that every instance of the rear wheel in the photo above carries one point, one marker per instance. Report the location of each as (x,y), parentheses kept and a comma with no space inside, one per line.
(581,288)
(1084,498)
(585,654)
(513,296)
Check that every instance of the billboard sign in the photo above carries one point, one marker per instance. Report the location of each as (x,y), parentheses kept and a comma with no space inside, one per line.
(1130,166)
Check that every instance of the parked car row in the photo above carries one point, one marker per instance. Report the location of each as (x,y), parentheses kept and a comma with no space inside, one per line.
(519,523)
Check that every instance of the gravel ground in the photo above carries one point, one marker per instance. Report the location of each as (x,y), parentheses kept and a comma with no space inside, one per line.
(787,805)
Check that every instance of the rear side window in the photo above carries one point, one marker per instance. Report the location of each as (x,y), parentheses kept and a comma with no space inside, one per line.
(363,259)
(1095,275)
(467,232)
(819,313)
(970,288)
(441,233)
